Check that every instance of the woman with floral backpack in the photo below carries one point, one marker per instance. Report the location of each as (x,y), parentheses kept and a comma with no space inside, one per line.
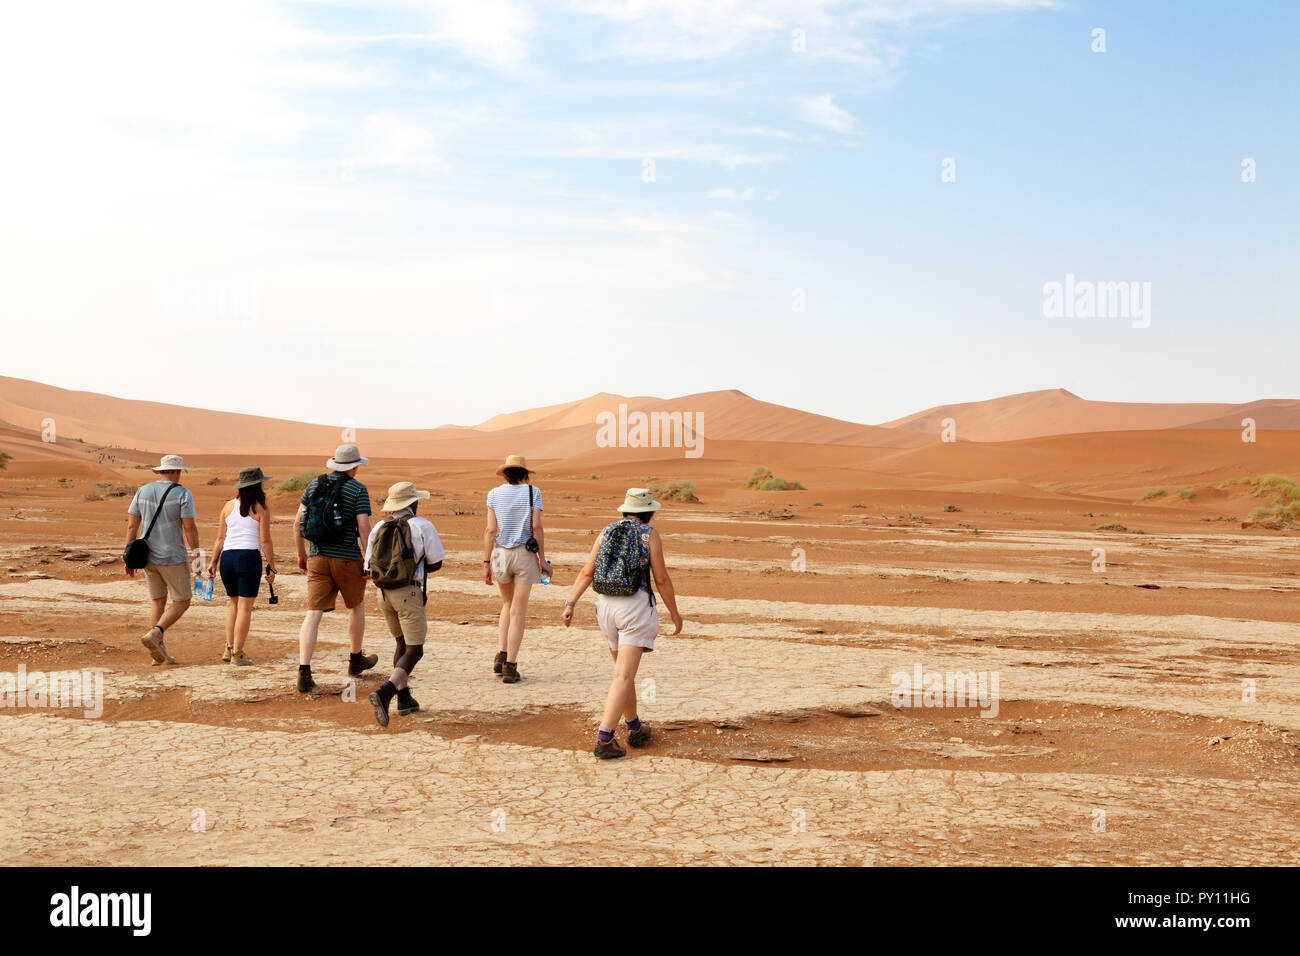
(626,556)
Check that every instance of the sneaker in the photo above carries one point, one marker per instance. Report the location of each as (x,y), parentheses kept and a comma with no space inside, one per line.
(406,704)
(153,640)
(608,750)
(358,664)
(510,673)
(380,703)
(639,738)
(225,655)
(239,659)
(305,683)
(498,662)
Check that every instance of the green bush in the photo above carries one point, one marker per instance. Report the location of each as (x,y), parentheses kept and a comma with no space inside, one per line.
(296,482)
(764,480)
(1186,494)
(5,458)
(1158,492)
(758,476)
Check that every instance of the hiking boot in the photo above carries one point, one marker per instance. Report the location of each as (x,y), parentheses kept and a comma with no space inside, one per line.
(239,659)
(498,662)
(510,673)
(225,655)
(305,683)
(358,664)
(153,640)
(406,704)
(609,750)
(379,701)
(639,737)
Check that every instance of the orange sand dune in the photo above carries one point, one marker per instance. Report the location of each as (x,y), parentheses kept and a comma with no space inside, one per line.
(1059,412)
(552,432)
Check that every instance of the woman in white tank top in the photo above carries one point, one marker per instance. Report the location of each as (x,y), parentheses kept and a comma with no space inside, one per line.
(243,540)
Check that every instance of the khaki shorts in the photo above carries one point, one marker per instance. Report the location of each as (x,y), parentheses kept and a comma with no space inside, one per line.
(627,619)
(329,577)
(515,564)
(404,611)
(170,580)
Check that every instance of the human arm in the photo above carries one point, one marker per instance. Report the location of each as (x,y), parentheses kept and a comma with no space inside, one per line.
(489,539)
(298,538)
(264,538)
(581,583)
(659,569)
(214,560)
(363,531)
(132,532)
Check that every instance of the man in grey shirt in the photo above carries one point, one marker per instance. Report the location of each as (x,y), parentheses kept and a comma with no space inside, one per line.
(168,570)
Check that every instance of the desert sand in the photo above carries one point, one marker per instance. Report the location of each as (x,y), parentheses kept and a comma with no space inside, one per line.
(1147,713)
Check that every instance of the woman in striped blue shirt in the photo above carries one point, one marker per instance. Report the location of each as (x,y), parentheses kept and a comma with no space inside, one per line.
(514,519)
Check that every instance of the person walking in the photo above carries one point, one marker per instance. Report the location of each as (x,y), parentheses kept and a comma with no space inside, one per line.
(624,558)
(514,548)
(243,544)
(166,509)
(401,552)
(333,513)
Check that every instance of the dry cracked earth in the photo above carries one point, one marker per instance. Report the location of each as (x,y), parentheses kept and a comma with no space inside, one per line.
(1146,714)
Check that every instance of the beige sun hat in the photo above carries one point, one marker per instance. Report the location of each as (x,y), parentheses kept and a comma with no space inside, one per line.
(513,461)
(639,501)
(403,495)
(249,477)
(171,463)
(346,457)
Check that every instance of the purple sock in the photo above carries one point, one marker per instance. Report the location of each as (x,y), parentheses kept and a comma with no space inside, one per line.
(604,736)
(634,723)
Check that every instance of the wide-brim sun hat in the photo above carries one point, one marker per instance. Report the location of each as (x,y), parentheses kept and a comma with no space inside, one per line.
(639,501)
(403,495)
(346,457)
(249,477)
(512,461)
(171,463)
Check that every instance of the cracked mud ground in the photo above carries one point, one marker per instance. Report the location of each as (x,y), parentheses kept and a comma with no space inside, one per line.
(776,740)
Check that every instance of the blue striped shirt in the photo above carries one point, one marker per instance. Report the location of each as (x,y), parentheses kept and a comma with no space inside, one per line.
(510,504)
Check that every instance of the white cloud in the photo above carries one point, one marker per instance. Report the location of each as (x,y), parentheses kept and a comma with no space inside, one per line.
(732,194)
(822,111)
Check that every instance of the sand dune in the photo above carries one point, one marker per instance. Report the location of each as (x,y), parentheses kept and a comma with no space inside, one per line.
(1059,412)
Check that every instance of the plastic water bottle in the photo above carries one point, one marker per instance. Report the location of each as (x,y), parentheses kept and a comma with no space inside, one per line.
(546,577)
(207,591)
(198,585)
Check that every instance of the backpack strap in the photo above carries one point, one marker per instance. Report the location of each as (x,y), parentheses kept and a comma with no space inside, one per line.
(530,510)
(161,501)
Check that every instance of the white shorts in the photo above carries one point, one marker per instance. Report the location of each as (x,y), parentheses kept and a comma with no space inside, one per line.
(628,619)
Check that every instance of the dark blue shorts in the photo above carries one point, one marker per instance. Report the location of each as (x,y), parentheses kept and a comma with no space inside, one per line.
(241,573)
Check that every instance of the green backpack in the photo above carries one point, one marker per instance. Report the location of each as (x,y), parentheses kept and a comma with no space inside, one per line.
(392,557)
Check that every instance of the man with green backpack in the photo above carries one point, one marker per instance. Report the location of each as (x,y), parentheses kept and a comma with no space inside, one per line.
(401,552)
(334,513)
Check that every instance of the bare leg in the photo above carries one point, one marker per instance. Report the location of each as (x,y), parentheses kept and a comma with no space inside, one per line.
(243,618)
(503,628)
(357,626)
(307,636)
(629,712)
(232,612)
(518,614)
(172,614)
(622,689)
(156,608)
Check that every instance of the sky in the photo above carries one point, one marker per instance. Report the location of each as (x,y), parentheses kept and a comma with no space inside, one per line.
(409,213)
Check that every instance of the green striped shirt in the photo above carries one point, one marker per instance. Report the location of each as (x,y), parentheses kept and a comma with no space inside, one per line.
(354,500)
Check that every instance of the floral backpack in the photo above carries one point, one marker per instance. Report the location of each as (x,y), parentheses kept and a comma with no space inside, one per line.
(623,560)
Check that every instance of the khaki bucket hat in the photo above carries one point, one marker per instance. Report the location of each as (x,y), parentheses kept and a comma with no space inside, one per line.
(171,463)
(403,495)
(639,501)
(346,457)
(249,477)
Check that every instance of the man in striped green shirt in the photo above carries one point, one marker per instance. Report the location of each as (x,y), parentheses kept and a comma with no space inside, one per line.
(334,566)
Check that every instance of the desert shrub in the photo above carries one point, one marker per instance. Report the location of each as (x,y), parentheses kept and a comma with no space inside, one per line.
(758,476)
(951,508)
(685,491)
(1111,527)
(94,496)
(1186,494)
(296,482)
(5,458)
(774,484)
(1155,493)
(1284,488)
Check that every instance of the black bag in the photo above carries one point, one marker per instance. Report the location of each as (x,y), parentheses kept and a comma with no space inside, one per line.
(323,522)
(531,544)
(136,555)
